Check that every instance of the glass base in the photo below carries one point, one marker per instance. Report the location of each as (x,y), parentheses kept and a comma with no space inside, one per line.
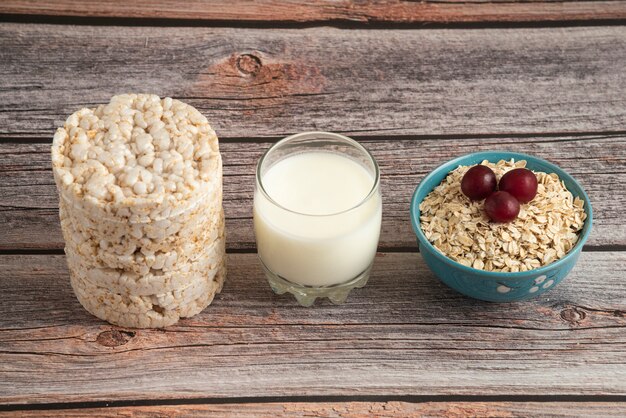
(306,295)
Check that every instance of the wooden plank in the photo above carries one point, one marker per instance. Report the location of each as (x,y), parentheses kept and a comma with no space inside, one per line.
(259,83)
(394,11)
(403,334)
(28,200)
(352,410)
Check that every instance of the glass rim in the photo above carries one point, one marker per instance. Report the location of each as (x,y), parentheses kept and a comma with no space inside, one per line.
(321,135)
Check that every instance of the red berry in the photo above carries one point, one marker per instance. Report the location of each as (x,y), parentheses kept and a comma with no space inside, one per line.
(501,207)
(478,182)
(521,183)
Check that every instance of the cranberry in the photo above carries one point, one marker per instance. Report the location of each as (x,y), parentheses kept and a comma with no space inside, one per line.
(478,182)
(521,183)
(501,207)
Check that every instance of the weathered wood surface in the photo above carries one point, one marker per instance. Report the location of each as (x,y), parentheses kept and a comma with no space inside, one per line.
(29,204)
(353,410)
(256,83)
(394,11)
(415,97)
(403,334)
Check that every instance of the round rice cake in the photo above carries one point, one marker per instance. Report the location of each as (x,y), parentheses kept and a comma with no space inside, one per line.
(129,283)
(124,237)
(138,158)
(140,257)
(154,311)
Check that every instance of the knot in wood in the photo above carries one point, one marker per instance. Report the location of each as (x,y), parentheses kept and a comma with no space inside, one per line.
(114,338)
(573,315)
(249,64)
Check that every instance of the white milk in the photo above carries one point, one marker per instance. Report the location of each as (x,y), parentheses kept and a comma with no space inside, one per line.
(329,240)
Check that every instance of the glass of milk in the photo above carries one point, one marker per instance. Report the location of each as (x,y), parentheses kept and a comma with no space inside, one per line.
(317,215)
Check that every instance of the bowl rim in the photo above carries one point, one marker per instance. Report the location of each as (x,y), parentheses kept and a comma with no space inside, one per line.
(586,230)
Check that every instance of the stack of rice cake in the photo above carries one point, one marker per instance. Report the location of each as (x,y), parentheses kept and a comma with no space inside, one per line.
(140,185)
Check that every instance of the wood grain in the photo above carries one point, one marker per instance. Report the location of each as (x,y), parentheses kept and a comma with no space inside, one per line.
(352,410)
(28,199)
(415,97)
(403,334)
(328,11)
(259,83)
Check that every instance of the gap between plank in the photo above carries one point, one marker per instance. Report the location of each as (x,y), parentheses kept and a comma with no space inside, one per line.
(282,24)
(60,251)
(315,399)
(375,137)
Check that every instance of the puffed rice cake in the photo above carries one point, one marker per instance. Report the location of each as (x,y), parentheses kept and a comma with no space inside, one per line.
(140,185)
(141,255)
(156,281)
(155,311)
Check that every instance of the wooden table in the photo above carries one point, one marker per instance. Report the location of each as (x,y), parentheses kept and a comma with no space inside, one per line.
(416,83)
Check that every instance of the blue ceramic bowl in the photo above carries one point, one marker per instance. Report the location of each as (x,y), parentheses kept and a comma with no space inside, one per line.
(488,285)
